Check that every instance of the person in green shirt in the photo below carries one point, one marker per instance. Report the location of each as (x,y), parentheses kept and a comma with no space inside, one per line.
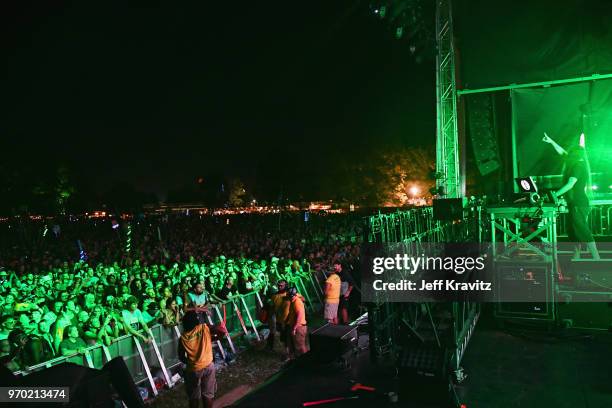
(73,344)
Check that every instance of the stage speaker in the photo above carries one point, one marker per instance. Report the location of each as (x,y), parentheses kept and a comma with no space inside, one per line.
(585,310)
(482,128)
(123,383)
(330,342)
(424,368)
(524,290)
(424,360)
(88,387)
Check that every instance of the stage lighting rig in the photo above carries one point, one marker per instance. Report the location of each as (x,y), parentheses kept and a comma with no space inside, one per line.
(411,21)
(379,9)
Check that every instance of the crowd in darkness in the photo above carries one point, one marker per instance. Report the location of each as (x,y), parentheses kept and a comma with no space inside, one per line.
(69,283)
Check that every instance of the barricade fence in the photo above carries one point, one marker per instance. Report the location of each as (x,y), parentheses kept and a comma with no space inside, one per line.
(599,220)
(155,359)
(428,323)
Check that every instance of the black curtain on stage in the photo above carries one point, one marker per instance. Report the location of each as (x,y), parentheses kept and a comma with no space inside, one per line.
(522,41)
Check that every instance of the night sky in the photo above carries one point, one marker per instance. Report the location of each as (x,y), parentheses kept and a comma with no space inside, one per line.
(156,93)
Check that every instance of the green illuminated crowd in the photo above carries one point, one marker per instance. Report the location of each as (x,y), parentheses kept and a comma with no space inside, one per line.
(65,306)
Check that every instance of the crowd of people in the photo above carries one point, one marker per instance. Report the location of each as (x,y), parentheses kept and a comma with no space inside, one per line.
(71,283)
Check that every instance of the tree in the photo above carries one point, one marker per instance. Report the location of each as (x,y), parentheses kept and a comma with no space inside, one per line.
(236,192)
(63,188)
(406,175)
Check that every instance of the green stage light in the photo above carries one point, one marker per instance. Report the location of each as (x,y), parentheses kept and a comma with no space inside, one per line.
(594,187)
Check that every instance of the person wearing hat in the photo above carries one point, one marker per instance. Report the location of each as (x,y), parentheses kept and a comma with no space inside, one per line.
(297,329)
(195,351)
(279,308)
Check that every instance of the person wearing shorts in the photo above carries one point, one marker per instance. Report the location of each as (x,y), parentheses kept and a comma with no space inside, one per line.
(332,294)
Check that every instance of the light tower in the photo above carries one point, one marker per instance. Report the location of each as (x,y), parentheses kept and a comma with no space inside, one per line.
(448,178)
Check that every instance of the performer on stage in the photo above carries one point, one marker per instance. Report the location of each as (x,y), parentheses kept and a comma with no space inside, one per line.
(576,188)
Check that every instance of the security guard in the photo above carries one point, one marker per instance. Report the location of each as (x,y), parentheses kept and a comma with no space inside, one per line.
(279,305)
(296,328)
(195,350)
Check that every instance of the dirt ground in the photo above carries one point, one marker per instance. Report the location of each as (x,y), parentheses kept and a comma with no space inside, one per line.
(252,367)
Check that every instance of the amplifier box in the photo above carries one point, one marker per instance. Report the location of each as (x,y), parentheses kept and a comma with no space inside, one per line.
(424,360)
(585,310)
(524,290)
(329,342)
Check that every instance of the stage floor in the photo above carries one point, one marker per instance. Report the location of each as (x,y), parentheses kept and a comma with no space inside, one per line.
(504,368)
(537,369)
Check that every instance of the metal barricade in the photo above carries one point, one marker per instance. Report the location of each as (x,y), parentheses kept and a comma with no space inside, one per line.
(390,320)
(145,361)
(599,220)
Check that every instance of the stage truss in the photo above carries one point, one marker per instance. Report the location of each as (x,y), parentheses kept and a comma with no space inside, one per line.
(428,338)
(448,179)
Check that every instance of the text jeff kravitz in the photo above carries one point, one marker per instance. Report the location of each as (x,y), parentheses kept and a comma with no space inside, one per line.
(435,285)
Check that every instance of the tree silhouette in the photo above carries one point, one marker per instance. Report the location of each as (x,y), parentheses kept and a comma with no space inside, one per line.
(236,192)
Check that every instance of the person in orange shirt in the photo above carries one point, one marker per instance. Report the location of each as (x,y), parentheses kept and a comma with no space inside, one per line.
(332,294)
(195,350)
(296,324)
(279,308)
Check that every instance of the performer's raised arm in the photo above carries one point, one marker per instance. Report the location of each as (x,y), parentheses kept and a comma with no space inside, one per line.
(555,145)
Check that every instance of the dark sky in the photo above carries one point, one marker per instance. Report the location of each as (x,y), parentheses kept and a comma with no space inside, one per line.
(155,93)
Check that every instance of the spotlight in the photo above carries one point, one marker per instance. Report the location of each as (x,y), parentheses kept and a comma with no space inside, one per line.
(414,190)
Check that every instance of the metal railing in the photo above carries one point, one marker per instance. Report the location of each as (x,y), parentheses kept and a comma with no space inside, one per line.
(448,324)
(599,220)
(145,361)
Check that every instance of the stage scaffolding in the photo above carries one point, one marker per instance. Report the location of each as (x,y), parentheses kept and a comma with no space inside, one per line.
(423,337)
(448,179)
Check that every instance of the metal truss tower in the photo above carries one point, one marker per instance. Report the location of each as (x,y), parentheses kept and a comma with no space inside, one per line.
(448,178)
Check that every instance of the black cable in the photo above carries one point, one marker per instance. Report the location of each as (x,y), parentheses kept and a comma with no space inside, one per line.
(597,283)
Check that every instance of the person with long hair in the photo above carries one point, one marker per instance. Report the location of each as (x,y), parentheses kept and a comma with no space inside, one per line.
(577,191)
